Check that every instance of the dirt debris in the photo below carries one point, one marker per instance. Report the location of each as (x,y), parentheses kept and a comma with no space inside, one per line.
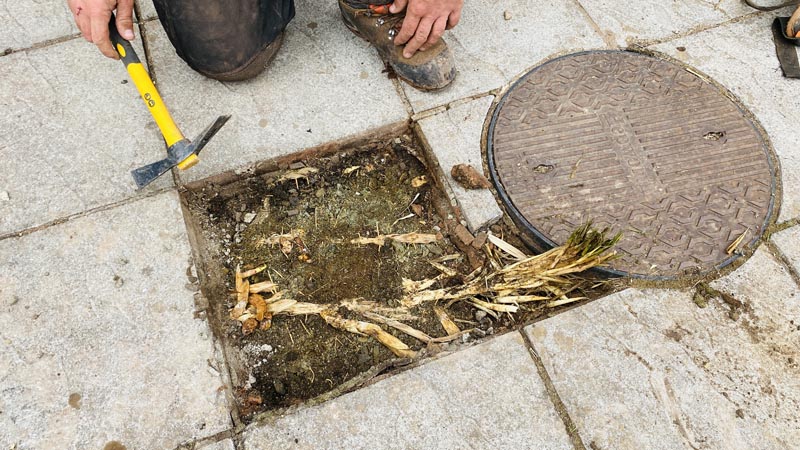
(468,177)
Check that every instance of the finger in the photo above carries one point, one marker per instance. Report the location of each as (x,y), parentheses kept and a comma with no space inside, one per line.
(408,29)
(420,37)
(125,19)
(100,35)
(453,20)
(84,24)
(436,33)
(398,6)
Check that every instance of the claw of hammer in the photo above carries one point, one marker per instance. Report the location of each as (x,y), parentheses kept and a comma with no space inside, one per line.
(182,154)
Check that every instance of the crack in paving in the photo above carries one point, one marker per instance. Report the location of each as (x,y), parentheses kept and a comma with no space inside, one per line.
(552,393)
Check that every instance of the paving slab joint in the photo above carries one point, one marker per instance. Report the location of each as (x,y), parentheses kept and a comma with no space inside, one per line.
(609,41)
(424,114)
(88,212)
(778,227)
(696,30)
(552,393)
(199,444)
(220,354)
(783,260)
(38,45)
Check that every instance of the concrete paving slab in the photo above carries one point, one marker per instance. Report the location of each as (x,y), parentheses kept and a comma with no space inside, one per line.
(147,10)
(490,51)
(488,396)
(650,369)
(72,132)
(24,24)
(455,138)
(788,241)
(99,339)
(324,85)
(741,56)
(625,23)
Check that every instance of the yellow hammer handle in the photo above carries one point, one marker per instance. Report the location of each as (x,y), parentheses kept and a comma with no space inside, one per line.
(144,84)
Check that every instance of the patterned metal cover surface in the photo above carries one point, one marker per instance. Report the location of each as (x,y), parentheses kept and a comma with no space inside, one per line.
(640,145)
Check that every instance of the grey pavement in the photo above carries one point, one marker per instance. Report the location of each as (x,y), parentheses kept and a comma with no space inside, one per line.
(456,134)
(788,243)
(99,335)
(651,369)
(489,396)
(72,132)
(102,346)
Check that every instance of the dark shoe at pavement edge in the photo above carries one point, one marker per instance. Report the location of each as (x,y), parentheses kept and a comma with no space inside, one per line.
(429,70)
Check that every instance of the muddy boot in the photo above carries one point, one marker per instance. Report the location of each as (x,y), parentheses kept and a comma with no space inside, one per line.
(429,70)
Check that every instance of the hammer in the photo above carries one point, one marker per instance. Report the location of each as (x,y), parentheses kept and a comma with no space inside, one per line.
(181,152)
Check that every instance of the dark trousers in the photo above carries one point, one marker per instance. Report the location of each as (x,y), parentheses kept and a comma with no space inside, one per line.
(221,37)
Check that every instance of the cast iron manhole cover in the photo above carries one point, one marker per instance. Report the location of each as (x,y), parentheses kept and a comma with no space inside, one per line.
(640,145)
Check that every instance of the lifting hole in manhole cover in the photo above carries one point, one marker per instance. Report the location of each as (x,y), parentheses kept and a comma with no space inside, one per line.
(637,144)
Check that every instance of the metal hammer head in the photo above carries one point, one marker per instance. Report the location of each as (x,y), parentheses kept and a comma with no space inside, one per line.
(182,154)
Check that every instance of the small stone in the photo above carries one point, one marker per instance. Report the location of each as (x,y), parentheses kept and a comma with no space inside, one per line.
(249,217)
(280,389)
(292,213)
(480,315)
(320,193)
(507,15)
(480,239)
(4,197)
(464,235)
(469,177)
(296,165)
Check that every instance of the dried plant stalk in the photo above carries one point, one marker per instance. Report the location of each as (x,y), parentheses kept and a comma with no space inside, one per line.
(252,272)
(398,347)
(447,323)
(506,247)
(265,286)
(242,295)
(546,277)
(408,238)
(411,331)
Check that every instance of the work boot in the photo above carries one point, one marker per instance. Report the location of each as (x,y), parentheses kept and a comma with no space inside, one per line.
(429,70)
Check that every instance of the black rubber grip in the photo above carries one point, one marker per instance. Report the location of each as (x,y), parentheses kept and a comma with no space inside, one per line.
(127,54)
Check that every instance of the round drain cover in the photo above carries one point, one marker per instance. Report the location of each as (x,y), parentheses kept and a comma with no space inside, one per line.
(637,144)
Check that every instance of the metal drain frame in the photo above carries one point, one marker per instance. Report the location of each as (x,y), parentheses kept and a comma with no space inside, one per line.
(538,242)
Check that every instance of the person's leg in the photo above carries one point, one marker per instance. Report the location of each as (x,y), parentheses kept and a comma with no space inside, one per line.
(228,40)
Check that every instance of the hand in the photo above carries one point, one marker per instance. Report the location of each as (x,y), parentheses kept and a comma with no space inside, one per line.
(425,22)
(92,18)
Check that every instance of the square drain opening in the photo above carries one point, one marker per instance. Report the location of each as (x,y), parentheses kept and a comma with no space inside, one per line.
(300,221)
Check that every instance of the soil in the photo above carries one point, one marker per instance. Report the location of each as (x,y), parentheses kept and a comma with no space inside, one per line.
(360,193)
